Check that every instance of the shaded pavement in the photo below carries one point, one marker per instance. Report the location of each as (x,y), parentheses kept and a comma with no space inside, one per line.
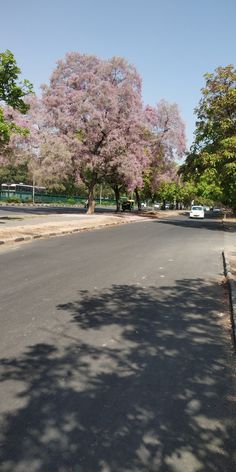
(153,398)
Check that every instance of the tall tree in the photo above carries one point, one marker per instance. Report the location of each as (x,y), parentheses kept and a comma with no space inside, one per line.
(95,105)
(216,112)
(167,143)
(212,160)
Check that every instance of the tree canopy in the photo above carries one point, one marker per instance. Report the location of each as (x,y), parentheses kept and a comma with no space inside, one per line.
(212,160)
(167,142)
(12,94)
(95,106)
(90,127)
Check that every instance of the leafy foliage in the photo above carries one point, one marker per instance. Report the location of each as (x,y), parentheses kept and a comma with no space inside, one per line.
(14,173)
(12,94)
(216,113)
(211,164)
(166,143)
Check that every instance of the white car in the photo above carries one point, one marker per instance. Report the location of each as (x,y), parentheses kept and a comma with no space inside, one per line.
(197,212)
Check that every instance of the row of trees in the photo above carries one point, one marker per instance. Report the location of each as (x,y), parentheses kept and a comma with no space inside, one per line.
(91,127)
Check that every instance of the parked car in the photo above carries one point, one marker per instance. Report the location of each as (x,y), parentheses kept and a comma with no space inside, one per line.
(166,206)
(197,211)
(156,206)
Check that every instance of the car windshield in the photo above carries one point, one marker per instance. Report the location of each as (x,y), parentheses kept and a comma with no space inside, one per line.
(198,208)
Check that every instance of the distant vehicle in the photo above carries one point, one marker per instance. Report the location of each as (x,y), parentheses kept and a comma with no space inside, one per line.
(128,205)
(12,189)
(156,206)
(197,211)
(206,208)
(143,205)
(165,206)
(217,210)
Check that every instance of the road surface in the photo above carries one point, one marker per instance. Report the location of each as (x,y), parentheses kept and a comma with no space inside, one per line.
(114,352)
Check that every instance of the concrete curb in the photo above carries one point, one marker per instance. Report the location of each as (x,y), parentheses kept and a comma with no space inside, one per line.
(232,294)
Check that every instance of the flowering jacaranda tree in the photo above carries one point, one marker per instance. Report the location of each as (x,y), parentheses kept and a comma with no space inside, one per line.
(167,143)
(90,125)
(95,106)
(43,151)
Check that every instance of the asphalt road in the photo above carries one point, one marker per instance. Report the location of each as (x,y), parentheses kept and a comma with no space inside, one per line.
(114,355)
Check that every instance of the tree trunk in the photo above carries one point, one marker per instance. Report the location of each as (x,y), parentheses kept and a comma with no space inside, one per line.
(138,199)
(91,203)
(117,197)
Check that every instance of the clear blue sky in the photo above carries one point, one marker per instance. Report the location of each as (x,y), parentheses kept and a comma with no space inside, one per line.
(171,42)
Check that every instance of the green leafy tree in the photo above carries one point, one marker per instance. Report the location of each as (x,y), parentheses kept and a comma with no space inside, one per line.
(216,113)
(167,192)
(211,164)
(187,193)
(12,93)
(14,173)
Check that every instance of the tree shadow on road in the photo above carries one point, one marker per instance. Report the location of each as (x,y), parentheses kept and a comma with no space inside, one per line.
(138,380)
(9,218)
(209,224)
(230,226)
(44,210)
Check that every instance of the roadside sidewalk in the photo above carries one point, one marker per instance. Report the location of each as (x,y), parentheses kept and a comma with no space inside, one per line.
(25,224)
(229,258)
(229,225)
(18,228)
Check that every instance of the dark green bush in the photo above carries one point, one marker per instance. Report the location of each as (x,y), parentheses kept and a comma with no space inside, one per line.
(13,200)
(71,201)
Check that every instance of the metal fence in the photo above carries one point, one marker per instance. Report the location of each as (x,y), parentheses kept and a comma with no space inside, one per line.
(49,198)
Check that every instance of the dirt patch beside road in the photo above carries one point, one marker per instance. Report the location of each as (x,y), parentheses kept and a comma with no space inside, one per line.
(47,228)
